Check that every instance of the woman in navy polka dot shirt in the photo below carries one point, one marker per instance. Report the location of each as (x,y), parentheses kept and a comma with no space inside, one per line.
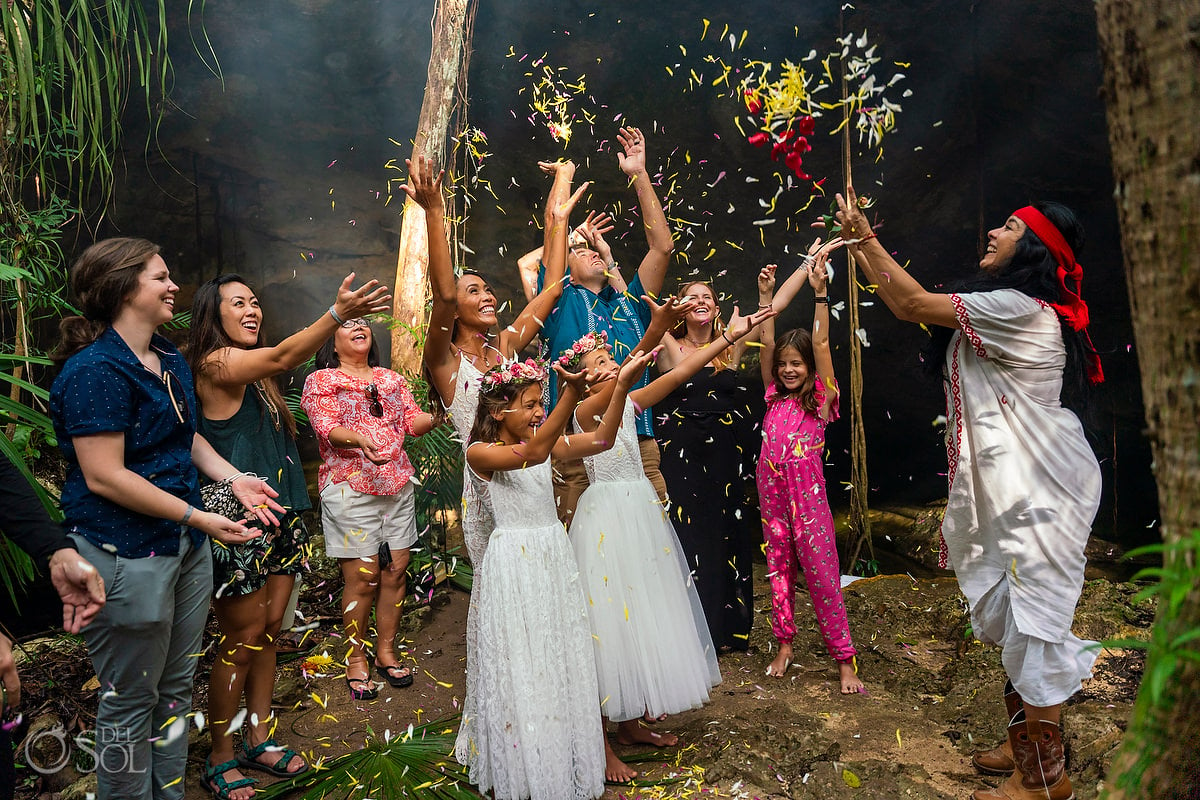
(124,413)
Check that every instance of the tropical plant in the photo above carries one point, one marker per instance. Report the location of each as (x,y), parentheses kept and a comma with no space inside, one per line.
(67,69)
(413,765)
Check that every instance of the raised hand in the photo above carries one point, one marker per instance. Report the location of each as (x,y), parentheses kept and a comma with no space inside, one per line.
(567,168)
(669,312)
(370,298)
(578,381)
(739,326)
(424,187)
(855,226)
(593,228)
(634,366)
(632,157)
(257,497)
(766,281)
(818,275)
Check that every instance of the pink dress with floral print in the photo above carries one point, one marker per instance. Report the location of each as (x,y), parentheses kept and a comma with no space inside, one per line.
(797,523)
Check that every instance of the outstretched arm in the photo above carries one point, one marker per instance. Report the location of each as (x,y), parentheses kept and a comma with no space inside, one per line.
(528,267)
(818,278)
(788,291)
(738,328)
(238,367)
(632,158)
(486,459)
(559,205)
(425,189)
(599,435)
(766,354)
(900,291)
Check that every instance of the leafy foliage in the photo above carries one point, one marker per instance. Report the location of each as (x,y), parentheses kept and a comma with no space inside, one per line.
(67,69)
(413,765)
(1171,645)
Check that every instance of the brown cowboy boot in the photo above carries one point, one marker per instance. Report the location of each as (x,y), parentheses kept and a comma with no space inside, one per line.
(1040,765)
(999,761)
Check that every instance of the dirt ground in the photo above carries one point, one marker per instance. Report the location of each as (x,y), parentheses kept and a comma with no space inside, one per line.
(933,696)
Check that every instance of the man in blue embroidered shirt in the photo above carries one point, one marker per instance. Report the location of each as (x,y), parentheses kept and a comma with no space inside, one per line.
(591,303)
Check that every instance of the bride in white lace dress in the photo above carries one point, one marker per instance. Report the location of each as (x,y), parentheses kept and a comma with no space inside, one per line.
(535,729)
(459,346)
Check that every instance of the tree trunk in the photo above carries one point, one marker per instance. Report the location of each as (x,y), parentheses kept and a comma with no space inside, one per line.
(412,268)
(1151,55)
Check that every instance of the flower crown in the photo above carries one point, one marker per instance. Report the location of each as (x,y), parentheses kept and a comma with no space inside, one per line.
(512,372)
(573,356)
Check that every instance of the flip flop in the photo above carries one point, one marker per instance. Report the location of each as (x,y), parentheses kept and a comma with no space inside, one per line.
(249,759)
(362,694)
(396,682)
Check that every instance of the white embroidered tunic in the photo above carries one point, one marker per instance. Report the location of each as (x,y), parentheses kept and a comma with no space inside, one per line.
(1024,483)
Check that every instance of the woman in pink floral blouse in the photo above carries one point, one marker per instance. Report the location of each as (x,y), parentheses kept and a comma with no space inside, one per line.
(362,413)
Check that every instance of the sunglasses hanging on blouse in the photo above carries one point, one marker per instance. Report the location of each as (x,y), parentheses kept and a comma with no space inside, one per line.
(373,396)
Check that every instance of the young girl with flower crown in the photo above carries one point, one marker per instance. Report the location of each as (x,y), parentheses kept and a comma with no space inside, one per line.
(802,397)
(534,731)
(654,654)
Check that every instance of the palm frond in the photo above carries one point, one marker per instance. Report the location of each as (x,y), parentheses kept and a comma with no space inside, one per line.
(72,64)
(415,765)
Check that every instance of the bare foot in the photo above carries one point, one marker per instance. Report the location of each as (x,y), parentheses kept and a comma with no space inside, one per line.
(634,732)
(779,667)
(649,720)
(850,682)
(616,770)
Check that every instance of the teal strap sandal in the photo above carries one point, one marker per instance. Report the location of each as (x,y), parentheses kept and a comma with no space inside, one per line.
(214,778)
(249,759)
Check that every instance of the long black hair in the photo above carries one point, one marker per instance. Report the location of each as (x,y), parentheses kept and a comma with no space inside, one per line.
(207,335)
(1033,272)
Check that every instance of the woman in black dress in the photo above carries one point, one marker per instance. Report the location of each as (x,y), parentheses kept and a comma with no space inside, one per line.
(701,428)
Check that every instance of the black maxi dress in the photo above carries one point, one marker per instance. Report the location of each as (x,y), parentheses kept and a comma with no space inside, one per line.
(702,430)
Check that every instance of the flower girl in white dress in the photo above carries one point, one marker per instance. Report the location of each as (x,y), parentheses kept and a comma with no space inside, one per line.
(654,654)
(535,731)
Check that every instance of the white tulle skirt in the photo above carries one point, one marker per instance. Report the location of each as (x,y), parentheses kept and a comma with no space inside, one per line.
(532,725)
(652,645)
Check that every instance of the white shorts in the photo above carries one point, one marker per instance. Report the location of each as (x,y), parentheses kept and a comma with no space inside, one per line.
(356,524)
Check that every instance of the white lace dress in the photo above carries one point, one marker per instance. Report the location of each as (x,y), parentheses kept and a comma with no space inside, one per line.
(477,520)
(477,524)
(534,726)
(652,645)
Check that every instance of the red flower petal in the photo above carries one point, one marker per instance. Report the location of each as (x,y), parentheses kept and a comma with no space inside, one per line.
(758,139)
(806,125)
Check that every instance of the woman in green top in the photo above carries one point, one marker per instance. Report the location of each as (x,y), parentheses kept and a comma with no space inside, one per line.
(246,420)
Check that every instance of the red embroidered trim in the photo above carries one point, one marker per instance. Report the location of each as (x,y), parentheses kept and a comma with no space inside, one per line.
(954,442)
(964,321)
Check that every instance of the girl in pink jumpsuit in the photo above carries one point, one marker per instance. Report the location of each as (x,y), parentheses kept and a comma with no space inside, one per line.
(801,399)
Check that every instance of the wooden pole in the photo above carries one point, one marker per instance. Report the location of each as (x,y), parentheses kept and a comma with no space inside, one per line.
(860,522)
(443,78)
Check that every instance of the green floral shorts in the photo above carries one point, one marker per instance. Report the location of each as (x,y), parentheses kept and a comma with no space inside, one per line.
(241,569)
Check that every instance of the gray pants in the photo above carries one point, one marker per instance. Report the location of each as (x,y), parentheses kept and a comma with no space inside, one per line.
(143,645)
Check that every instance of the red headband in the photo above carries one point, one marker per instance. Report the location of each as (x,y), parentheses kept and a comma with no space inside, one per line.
(1070,305)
